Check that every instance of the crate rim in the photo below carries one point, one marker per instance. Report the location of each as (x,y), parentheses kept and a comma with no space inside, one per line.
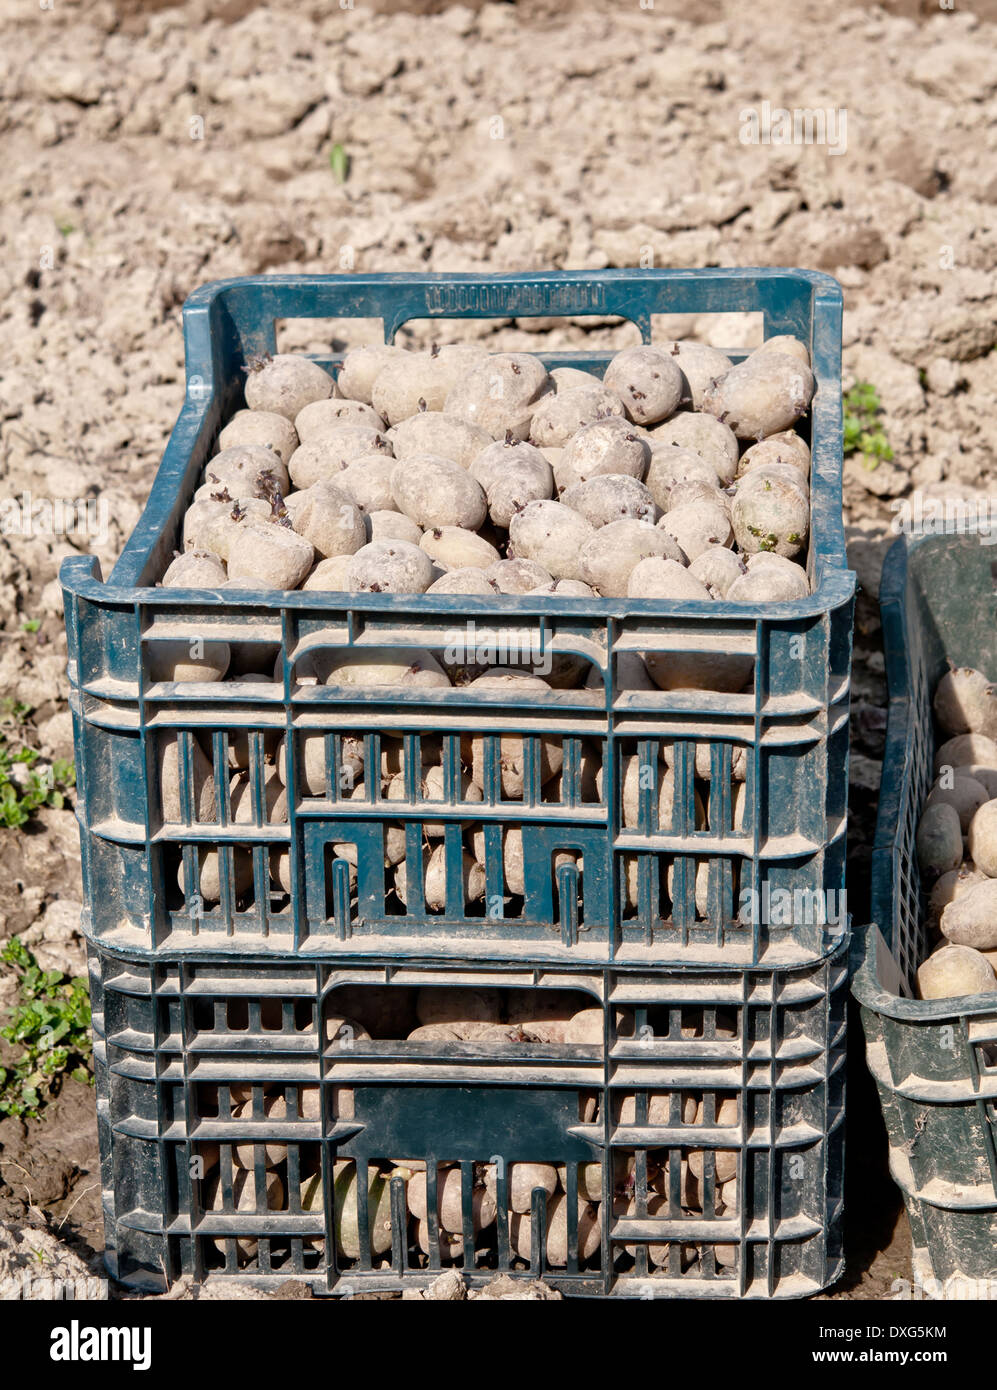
(81,575)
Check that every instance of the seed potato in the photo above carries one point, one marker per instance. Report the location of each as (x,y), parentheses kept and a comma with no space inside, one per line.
(611,497)
(762,395)
(704,435)
(263,427)
(553,535)
(609,557)
(437,492)
(286,383)
(952,971)
(699,364)
(613,445)
(648,381)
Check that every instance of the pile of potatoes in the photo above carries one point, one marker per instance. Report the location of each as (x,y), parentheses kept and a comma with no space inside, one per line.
(503,1018)
(957,840)
(678,475)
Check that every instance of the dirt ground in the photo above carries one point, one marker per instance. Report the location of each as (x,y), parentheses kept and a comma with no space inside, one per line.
(148,148)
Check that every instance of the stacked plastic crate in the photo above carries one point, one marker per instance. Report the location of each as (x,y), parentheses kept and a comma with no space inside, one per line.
(697,1133)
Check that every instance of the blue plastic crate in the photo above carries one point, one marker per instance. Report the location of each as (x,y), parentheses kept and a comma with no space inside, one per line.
(791,728)
(210,1070)
(935,1060)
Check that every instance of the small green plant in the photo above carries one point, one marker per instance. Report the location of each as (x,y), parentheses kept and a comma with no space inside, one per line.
(339,163)
(23,792)
(51,1024)
(863,434)
(31,624)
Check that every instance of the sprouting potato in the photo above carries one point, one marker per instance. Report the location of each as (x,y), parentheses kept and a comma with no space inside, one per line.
(499,394)
(371,667)
(517,576)
(195,569)
(326,517)
(285,383)
(449,1201)
(671,464)
(208,886)
(769,578)
(203,789)
(346,1189)
(272,554)
(368,482)
(312,764)
(964,794)
(631,798)
(454,547)
(244,1200)
(697,526)
(612,445)
(464,581)
(245,470)
(213,526)
(391,526)
(324,458)
(183,660)
(433,789)
(611,497)
(970,919)
(390,567)
(330,576)
(560,414)
(512,474)
(704,435)
(774,515)
(699,670)
(512,754)
(786,450)
(525,1178)
(322,418)
(981,838)
(585,1026)
(661,578)
(762,395)
(648,381)
(437,492)
(955,970)
(784,343)
(361,367)
(589,1231)
(987,776)
(411,383)
(263,427)
(939,840)
(553,535)
(445,436)
(951,885)
(699,364)
(566,588)
(966,702)
(610,555)
(966,748)
(717,567)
